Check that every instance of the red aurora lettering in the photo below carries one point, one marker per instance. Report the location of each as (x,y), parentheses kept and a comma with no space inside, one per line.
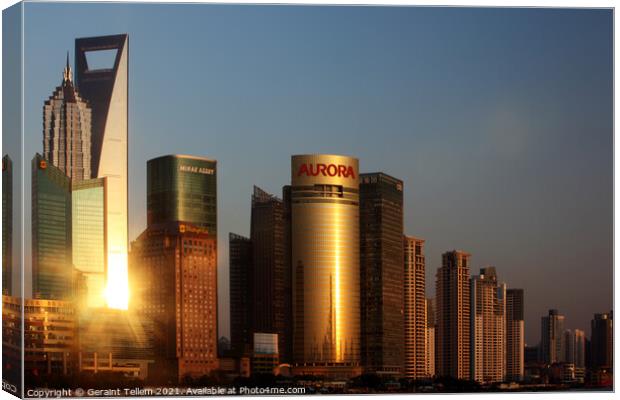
(343,171)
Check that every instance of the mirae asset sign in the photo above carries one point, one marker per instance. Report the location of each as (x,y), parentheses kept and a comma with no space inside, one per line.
(196,170)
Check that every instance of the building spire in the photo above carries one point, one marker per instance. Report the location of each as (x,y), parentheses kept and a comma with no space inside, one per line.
(67,75)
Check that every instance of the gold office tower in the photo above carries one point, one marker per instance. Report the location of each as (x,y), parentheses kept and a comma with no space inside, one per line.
(325,262)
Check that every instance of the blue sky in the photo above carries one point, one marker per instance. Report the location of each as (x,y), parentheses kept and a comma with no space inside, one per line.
(499,121)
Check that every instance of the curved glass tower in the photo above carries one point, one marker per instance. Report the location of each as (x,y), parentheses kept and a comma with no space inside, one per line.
(325,262)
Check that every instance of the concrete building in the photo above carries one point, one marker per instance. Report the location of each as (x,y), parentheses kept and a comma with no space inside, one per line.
(174,273)
(453,316)
(381,272)
(515,336)
(324,197)
(488,327)
(430,337)
(415,316)
(552,345)
(50,337)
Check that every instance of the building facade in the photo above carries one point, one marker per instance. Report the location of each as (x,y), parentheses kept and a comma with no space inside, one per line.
(174,272)
(453,316)
(106,91)
(381,273)
(52,265)
(488,325)
(67,129)
(50,337)
(271,278)
(417,338)
(601,338)
(324,196)
(430,337)
(7,225)
(552,346)
(182,188)
(88,234)
(575,347)
(515,335)
(240,267)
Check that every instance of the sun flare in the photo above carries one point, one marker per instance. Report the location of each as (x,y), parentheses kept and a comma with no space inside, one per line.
(117,289)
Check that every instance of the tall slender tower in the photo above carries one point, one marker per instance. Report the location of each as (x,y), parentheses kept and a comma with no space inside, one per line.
(325,259)
(240,256)
(515,335)
(552,345)
(575,347)
(7,225)
(488,324)
(381,271)
(67,129)
(453,316)
(106,91)
(272,303)
(415,316)
(601,337)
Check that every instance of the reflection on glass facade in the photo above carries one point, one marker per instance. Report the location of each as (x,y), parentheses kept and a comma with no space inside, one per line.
(325,261)
(182,188)
(381,271)
(7,225)
(106,91)
(88,232)
(51,231)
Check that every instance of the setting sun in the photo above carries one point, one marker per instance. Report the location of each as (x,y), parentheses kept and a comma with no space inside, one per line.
(117,290)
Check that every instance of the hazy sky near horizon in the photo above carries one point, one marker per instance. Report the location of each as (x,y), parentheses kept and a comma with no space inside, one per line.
(499,121)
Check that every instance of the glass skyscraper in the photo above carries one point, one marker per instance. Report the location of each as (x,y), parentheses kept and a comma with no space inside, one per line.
(182,188)
(106,91)
(51,231)
(88,237)
(324,198)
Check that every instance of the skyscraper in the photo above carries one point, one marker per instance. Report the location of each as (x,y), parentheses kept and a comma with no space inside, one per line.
(271,279)
(488,324)
(7,225)
(175,264)
(430,337)
(415,310)
(88,242)
(515,335)
(453,316)
(552,344)
(67,129)
(106,91)
(240,264)
(51,232)
(174,271)
(182,188)
(325,260)
(601,337)
(381,273)
(575,347)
